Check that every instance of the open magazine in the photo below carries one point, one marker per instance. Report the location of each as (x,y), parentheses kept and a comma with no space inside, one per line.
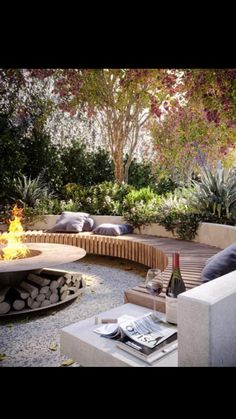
(143,336)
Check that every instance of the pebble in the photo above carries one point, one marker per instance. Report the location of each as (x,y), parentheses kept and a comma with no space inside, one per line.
(27,342)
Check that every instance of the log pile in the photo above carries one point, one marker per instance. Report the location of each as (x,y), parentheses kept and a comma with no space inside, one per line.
(44,288)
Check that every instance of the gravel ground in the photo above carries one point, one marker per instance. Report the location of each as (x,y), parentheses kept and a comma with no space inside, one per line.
(25,341)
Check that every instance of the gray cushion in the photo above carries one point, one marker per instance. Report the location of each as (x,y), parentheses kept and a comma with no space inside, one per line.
(113,229)
(88,224)
(220,264)
(70,222)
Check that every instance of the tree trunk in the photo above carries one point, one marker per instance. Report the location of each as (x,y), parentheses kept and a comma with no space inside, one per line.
(127,166)
(118,167)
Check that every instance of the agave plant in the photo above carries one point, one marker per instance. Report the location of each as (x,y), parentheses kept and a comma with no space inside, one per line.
(216,193)
(28,191)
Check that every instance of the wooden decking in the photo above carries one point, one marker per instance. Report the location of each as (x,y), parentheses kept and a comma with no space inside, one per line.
(148,250)
(193,257)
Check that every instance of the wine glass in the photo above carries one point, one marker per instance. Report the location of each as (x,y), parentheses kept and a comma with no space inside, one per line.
(154,284)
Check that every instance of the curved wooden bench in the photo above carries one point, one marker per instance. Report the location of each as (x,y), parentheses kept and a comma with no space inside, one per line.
(151,251)
(132,247)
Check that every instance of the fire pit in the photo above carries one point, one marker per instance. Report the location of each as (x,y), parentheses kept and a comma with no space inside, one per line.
(25,284)
(41,255)
(22,281)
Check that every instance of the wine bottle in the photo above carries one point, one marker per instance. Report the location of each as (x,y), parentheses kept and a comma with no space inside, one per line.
(174,288)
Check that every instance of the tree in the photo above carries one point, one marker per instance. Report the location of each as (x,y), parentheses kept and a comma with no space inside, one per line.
(216,89)
(25,100)
(25,104)
(201,129)
(122,100)
(186,140)
(12,159)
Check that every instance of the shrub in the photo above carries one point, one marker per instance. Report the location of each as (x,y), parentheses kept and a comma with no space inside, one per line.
(75,192)
(140,174)
(215,195)
(141,213)
(105,198)
(176,214)
(164,185)
(5,214)
(85,168)
(143,195)
(27,191)
(140,207)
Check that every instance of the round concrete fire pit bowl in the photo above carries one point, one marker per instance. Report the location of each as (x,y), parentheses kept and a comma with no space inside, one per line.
(42,255)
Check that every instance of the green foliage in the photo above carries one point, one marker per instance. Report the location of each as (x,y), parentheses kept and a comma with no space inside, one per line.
(187,225)
(164,183)
(216,88)
(48,206)
(74,191)
(43,157)
(140,174)
(27,191)
(175,213)
(141,213)
(30,156)
(106,198)
(74,163)
(122,95)
(85,168)
(140,207)
(215,195)
(12,159)
(5,214)
(187,139)
(213,218)
(143,195)
(102,167)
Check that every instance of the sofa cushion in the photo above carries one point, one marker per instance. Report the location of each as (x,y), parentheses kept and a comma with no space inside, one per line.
(88,224)
(109,229)
(220,264)
(70,222)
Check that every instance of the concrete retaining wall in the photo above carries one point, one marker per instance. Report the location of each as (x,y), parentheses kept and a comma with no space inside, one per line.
(50,220)
(208,233)
(218,235)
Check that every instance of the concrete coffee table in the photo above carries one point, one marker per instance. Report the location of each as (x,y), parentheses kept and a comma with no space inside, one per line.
(83,345)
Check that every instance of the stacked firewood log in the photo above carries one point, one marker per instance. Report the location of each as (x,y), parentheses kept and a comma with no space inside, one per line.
(41,289)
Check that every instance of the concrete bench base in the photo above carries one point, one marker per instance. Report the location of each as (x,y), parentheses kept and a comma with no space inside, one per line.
(206,324)
(82,344)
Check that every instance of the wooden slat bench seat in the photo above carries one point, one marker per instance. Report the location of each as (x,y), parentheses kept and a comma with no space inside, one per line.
(151,251)
(193,257)
(138,248)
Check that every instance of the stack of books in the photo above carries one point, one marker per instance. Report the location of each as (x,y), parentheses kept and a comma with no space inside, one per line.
(147,337)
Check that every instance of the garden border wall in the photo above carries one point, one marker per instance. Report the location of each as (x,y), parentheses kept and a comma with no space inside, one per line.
(218,235)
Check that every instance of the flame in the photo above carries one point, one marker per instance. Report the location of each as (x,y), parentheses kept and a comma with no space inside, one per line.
(15,247)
